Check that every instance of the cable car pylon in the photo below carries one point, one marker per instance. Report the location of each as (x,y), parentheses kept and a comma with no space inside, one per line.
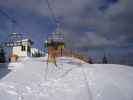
(13,37)
(55,41)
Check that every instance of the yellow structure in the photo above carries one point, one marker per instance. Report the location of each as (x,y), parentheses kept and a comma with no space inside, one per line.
(55,45)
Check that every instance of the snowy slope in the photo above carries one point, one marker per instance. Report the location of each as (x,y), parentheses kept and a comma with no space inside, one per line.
(33,79)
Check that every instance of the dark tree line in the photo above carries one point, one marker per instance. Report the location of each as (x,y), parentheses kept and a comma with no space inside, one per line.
(2,55)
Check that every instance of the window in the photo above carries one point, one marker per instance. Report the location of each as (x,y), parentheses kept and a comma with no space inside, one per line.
(23,48)
(28,49)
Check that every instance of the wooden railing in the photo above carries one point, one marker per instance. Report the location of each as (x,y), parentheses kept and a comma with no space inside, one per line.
(69,53)
(53,53)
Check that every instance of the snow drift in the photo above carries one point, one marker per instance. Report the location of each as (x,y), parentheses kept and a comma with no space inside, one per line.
(34,79)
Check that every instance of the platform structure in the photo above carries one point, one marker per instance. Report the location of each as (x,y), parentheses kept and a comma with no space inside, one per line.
(14,39)
(55,44)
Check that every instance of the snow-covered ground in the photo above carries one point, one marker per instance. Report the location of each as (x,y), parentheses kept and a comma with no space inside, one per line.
(72,79)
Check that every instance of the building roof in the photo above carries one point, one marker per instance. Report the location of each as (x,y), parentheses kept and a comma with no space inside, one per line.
(56,37)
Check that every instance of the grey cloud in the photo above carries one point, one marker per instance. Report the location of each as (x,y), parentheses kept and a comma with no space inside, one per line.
(79,15)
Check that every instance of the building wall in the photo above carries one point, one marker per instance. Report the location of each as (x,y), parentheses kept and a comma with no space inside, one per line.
(17,51)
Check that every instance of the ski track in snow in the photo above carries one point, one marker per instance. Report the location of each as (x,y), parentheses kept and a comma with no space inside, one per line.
(72,79)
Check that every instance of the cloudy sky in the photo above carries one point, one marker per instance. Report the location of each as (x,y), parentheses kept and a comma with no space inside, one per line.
(93,27)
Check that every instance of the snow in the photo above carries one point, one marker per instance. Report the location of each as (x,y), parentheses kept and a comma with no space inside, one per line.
(72,79)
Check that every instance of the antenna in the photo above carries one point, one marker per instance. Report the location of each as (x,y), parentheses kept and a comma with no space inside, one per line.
(53,16)
(51,10)
(13,39)
(13,21)
(56,36)
(7,16)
